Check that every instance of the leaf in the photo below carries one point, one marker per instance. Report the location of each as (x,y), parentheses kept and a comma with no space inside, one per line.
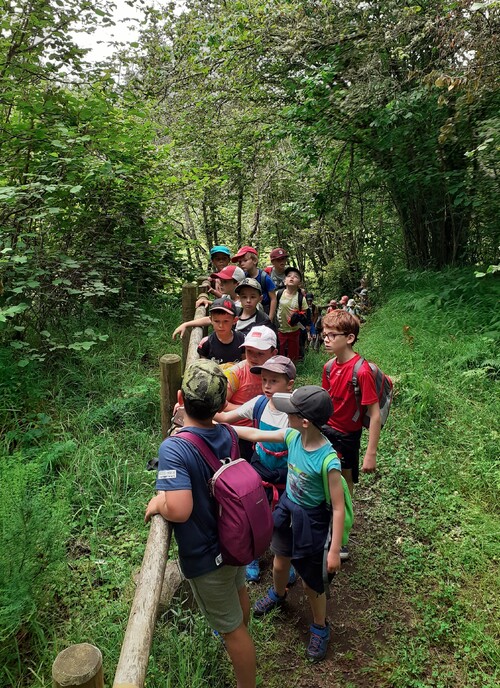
(75,189)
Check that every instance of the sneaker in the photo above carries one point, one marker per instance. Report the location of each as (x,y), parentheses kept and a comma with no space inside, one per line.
(344,553)
(292,576)
(253,571)
(318,643)
(217,635)
(266,604)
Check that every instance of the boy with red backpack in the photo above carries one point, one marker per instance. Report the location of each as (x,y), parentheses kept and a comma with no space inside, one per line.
(353,403)
(183,499)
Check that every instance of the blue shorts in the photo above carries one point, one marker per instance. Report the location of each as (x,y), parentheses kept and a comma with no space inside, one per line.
(347,447)
(309,568)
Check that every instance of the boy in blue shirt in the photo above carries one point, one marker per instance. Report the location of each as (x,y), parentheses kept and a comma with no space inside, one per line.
(183,499)
(302,517)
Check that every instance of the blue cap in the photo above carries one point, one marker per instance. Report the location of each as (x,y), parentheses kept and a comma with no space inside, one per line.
(220,249)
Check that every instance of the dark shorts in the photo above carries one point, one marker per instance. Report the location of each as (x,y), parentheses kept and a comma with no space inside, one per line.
(310,568)
(347,448)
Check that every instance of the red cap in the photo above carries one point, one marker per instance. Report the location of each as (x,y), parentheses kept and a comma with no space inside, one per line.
(242,251)
(278,253)
(230,272)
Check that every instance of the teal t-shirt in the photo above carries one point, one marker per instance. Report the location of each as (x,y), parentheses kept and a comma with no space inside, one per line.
(304,483)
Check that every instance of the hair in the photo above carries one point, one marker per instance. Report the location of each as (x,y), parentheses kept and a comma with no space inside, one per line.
(199,410)
(343,322)
(249,254)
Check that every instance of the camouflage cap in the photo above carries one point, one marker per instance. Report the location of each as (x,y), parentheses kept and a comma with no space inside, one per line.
(204,385)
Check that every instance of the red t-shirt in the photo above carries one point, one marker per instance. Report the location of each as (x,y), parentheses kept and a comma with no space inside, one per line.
(339,386)
(242,385)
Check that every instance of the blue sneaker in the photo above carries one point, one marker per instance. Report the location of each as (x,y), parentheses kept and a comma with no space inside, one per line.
(253,571)
(292,577)
(266,604)
(318,643)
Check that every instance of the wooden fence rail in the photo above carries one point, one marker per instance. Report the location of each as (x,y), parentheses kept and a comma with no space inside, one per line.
(81,665)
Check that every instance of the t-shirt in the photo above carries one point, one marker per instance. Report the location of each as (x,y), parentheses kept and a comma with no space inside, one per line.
(286,305)
(338,384)
(267,285)
(273,455)
(181,467)
(244,325)
(279,280)
(304,483)
(242,385)
(211,347)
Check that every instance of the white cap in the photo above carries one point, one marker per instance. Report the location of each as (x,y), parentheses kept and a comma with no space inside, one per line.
(260,337)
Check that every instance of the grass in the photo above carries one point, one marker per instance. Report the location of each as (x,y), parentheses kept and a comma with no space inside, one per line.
(73,486)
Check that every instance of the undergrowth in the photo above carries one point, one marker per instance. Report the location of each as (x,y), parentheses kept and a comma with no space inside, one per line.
(73,487)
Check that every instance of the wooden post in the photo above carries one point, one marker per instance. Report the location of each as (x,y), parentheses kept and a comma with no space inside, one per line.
(134,656)
(170,382)
(189,296)
(78,665)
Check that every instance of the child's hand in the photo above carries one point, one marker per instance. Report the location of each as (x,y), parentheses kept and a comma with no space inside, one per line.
(152,508)
(333,561)
(369,463)
(202,301)
(179,331)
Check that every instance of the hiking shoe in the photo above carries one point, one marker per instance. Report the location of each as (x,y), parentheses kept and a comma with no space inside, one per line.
(344,553)
(318,643)
(252,574)
(266,604)
(292,576)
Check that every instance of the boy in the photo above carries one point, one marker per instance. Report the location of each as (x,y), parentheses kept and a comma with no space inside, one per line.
(291,318)
(223,345)
(302,517)
(183,499)
(220,257)
(340,333)
(247,260)
(269,460)
(227,280)
(276,271)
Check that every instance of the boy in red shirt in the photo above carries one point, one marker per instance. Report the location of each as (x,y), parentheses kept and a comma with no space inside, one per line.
(340,332)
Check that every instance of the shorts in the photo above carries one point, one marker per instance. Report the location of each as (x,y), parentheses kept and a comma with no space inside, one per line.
(217,595)
(310,568)
(347,447)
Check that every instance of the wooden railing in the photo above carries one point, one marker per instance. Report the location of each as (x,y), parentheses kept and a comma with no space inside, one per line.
(81,665)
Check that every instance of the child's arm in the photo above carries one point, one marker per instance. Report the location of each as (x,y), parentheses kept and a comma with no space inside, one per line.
(337,497)
(272,305)
(256,435)
(230,416)
(199,322)
(369,461)
(175,506)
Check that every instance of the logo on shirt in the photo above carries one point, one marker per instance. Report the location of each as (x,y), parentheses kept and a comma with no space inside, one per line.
(167,475)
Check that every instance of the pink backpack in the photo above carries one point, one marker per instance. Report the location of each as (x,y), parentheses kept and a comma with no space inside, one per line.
(244,518)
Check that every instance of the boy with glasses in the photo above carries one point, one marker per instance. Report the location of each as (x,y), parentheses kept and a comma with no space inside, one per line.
(343,429)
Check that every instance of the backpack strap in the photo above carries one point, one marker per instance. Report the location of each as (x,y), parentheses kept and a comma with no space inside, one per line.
(349,513)
(329,367)
(205,449)
(258,409)
(355,384)
(262,279)
(279,294)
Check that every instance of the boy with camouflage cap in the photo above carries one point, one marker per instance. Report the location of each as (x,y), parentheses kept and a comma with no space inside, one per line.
(184,500)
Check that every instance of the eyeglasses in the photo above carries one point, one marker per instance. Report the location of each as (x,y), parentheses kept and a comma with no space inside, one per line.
(333,335)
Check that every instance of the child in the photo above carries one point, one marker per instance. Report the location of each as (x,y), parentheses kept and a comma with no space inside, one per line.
(290,320)
(302,517)
(269,460)
(184,499)
(340,332)
(249,293)
(223,345)
(243,384)
(276,271)
(220,257)
(228,279)
(247,260)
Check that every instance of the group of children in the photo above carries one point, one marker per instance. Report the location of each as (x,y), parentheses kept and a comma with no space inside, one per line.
(271,297)
(289,437)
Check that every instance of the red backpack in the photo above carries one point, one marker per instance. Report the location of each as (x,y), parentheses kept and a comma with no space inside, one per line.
(244,519)
(383,386)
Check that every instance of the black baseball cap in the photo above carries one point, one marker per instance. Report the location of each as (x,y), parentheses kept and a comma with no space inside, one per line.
(223,304)
(311,402)
(293,269)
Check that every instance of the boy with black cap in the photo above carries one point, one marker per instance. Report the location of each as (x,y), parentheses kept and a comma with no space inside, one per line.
(293,314)
(183,499)
(302,517)
(223,345)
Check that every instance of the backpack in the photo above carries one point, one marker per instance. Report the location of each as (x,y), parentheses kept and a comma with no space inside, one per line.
(383,386)
(349,513)
(244,520)
(301,317)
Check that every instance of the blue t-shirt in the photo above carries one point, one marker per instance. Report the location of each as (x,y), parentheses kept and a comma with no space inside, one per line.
(304,483)
(266,284)
(271,455)
(181,467)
